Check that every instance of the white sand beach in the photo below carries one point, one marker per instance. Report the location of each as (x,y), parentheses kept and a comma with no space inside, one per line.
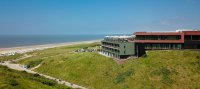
(24,49)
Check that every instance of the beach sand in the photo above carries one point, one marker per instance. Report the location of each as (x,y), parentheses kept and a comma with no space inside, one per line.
(24,49)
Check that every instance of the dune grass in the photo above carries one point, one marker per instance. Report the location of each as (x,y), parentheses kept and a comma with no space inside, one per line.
(166,69)
(162,69)
(12,79)
(11,57)
(43,55)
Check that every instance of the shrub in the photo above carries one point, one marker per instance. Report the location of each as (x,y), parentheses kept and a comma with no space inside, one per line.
(49,82)
(43,80)
(33,63)
(24,71)
(197,57)
(13,82)
(36,75)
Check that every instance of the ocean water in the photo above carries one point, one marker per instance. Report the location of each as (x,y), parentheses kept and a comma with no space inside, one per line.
(26,40)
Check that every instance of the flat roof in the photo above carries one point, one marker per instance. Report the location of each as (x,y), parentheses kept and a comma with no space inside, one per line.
(177,32)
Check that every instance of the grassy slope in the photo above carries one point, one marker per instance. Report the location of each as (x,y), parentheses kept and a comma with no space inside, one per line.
(166,69)
(159,69)
(12,79)
(11,57)
(42,55)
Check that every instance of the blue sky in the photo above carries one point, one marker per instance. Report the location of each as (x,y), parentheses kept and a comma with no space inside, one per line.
(97,16)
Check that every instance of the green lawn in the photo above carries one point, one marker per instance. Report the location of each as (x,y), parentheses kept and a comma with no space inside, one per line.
(12,79)
(174,69)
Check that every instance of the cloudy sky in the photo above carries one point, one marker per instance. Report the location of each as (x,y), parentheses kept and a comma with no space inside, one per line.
(29,17)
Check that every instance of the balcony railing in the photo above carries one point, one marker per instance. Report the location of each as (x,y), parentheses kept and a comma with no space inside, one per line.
(109,46)
(160,41)
(111,49)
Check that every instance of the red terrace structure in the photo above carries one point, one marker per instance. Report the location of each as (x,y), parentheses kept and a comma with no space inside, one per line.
(188,39)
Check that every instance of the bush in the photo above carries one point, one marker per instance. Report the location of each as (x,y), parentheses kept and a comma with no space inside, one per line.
(36,75)
(43,80)
(24,71)
(197,57)
(13,82)
(49,82)
(33,63)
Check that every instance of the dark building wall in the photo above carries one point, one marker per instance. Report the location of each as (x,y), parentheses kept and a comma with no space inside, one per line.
(191,45)
(192,41)
(163,46)
(140,49)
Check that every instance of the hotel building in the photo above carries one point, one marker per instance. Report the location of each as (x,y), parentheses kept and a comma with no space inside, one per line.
(188,39)
(118,46)
(122,47)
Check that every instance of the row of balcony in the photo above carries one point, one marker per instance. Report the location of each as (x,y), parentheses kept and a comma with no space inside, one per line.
(113,45)
(110,49)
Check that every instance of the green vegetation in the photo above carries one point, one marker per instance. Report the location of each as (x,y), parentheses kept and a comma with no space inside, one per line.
(176,69)
(43,55)
(11,57)
(12,79)
(121,76)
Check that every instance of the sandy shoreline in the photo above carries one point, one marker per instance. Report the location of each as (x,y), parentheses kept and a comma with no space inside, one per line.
(24,49)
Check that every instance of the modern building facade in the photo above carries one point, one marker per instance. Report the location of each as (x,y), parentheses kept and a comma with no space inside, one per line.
(122,47)
(180,39)
(118,46)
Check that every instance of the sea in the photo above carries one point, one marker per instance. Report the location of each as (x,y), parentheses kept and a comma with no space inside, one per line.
(7,41)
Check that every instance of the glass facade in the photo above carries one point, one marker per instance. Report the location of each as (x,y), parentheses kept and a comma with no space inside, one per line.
(192,37)
(162,46)
(158,37)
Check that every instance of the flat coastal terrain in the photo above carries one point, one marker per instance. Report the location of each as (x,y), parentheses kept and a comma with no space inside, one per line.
(24,49)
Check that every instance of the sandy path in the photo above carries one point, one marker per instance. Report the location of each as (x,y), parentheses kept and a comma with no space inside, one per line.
(36,67)
(20,68)
(8,51)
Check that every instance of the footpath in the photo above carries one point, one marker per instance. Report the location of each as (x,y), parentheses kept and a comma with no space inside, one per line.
(19,67)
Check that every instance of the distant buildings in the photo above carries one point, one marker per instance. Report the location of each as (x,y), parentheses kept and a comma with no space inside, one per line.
(122,47)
